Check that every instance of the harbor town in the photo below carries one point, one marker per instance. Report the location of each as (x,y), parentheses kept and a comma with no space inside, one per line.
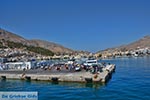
(64,68)
(79,68)
(75,50)
(42,60)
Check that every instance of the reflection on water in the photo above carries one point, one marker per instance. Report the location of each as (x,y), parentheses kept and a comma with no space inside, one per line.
(18,83)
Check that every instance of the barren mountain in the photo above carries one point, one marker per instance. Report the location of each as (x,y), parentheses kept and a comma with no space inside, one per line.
(141,43)
(12,37)
(50,46)
(56,48)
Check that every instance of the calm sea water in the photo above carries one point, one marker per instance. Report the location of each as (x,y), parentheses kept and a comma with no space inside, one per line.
(131,81)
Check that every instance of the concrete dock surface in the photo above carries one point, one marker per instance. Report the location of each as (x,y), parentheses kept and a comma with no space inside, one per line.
(59,76)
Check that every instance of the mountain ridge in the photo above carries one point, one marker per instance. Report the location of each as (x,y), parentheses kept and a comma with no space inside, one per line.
(54,47)
(51,46)
(57,48)
(143,42)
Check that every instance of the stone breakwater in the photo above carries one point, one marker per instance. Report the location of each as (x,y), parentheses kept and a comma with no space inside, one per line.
(82,77)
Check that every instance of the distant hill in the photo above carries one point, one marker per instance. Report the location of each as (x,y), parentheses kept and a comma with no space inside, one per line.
(12,37)
(141,43)
(56,48)
(50,46)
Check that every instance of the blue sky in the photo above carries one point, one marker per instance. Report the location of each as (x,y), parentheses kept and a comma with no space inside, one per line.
(91,25)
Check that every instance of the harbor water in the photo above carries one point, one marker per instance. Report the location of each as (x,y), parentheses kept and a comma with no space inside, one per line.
(131,81)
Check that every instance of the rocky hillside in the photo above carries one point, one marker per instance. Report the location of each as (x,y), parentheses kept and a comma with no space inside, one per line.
(56,48)
(141,43)
(51,46)
(12,37)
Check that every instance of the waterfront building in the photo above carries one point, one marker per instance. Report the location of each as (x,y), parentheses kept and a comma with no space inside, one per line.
(19,65)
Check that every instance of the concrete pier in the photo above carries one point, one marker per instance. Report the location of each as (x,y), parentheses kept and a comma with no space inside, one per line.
(84,77)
